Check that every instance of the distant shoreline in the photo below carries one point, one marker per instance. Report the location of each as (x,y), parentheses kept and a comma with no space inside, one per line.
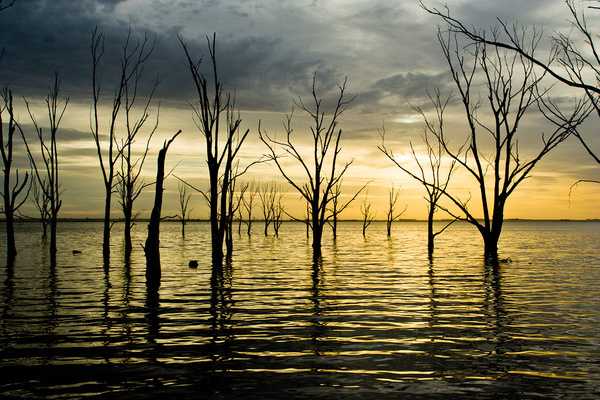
(291,220)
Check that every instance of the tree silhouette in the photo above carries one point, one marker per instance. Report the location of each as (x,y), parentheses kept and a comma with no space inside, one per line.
(214,106)
(368,214)
(431,173)
(320,167)
(574,58)
(14,194)
(47,171)
(184,204)
(134,55)
(511,87)
(393,215)
(152,245)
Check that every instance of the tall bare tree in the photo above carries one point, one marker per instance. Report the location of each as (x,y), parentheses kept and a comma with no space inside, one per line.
(431,172)
(321,168)
(47,171)
(574,58)
(130,183)
(14,194)
(368,214)
(392,214)
(511,87)
(134,54)
(184,206)
(222,148)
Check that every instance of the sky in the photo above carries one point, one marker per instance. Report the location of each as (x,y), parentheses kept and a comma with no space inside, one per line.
(268,52)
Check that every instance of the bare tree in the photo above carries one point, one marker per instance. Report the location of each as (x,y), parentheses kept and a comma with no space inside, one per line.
(184,203)
(221,150)
(321,169)
(392,215)
(234,204)
(278,211)
(47,172)
(248,203)
(574,59)
(152,245)
(42,205)
(512,90)
(430,172)
(14,194)
(130,183)
(368,214)
(338,206)
(134,55)
(267,194)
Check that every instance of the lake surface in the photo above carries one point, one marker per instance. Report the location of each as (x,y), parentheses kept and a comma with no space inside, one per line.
(374,320)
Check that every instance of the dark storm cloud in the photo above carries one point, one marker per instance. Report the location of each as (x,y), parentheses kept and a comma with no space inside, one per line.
(42,36)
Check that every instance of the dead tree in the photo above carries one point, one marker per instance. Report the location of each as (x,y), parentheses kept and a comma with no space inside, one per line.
(393,216)
(511,87)
(278,211)
(134,55)
(130,183)
(42,205)
(152,246)
(248,203)
(14,194)
(338,206)
(184,203)
(321,168)
(213,105)
(574,59)
(431,172)
(47,171)
(368,215)
(234,203)
(267,195)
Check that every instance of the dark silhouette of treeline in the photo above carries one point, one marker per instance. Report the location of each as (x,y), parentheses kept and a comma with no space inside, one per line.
(512,88)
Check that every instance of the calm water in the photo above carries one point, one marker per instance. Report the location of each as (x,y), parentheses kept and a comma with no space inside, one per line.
(375,320)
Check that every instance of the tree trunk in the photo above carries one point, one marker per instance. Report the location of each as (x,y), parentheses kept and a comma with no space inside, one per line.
(53,225)
(316,239)
(215,237)
(389,228)
(183,228)
(152,246)
(430,234)
(490,242)
(11,248)
(127,230)
(106,231)
(334,227)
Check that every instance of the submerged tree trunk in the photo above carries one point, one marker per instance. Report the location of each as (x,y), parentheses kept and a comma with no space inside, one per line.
(106,229)
(430,234)
(152,246)
(11,247)
(127,230)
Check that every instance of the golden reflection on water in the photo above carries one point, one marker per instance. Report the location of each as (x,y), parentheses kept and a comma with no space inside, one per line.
(371,313)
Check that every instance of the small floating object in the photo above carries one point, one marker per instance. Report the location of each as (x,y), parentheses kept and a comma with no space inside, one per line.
(193,264)
(505,260)
(76,252)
